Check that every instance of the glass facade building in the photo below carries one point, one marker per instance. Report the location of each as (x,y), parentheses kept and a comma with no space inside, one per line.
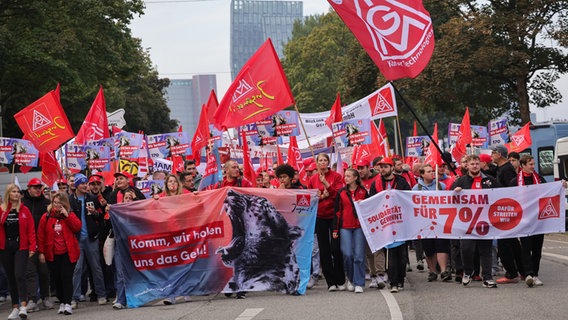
(254,21)
(185,98)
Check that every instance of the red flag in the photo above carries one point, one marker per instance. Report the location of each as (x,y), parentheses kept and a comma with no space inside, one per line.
(248,169)
(520,140)
(259,90)
(50,170)
(180,129)
(115,130)
(177,164)
(464,137)
(397,35)
(433,156)
(58,92)
(280,158)
(335,115)
(45,123)
(212,104)
(383,140)
(202,134)
(95,126)
(295,160)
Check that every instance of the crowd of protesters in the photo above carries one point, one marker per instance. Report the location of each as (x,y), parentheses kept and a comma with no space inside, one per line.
(51,243)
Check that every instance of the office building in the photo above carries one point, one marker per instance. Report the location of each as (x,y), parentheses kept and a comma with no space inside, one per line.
(254,21)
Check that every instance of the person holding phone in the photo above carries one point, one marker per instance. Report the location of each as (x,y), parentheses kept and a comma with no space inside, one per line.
(59,247)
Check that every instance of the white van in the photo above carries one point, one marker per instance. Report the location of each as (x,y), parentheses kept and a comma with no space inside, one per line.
(561,165)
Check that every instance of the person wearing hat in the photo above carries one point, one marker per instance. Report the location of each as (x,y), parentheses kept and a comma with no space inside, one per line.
(62,185)
(310,169)
(34,200)
(88,209)
(122,180)
(509,250)
(397,252)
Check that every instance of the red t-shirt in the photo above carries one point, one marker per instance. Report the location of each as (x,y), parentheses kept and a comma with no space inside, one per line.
(59,246)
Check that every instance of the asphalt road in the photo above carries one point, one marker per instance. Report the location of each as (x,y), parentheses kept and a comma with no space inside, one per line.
(419,300)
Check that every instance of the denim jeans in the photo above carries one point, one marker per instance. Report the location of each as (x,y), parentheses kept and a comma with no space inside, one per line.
(353,250)
(91,255)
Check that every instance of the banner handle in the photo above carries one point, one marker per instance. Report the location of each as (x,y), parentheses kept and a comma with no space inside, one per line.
(305,132)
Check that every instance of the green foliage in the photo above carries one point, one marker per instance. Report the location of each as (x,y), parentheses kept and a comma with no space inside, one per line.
(81,45)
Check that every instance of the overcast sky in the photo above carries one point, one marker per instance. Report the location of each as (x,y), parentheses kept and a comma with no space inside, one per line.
(188,37)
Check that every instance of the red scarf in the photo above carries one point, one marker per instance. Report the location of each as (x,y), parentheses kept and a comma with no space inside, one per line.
(390,184)
(521,180)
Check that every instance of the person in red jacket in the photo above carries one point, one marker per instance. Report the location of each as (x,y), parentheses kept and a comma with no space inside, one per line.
(328,182)
(348,230)
(59,247)
(17,244)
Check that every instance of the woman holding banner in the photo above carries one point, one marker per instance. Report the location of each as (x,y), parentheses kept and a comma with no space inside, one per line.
(327,183)
(348,229)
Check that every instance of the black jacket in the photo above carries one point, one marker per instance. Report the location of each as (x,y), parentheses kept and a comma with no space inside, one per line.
(465,182)
(37,206)
(400,184)
(94,221)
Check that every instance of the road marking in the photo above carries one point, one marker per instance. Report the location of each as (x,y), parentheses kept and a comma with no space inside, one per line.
(394,309)
(557,256)
(250,313)
(564,242)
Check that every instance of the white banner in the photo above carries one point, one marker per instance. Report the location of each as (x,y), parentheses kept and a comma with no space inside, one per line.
(379,104)
(395,215)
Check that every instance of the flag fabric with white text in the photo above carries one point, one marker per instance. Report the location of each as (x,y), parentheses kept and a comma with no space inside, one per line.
(464,137)
(335,114)
(258,91)
(397,34)
(95,126)
(520,140)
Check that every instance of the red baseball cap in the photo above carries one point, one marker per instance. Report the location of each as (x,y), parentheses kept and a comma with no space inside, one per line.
(485,158)
(363,163)
(125,174)
(386,161)
(312,167)
(34,182)
(61,181)
(95,178)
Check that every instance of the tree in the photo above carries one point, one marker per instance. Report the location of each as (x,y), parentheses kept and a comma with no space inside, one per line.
(81,45)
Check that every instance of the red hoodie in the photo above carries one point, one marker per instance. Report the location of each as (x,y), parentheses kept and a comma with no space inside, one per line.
(326,206)
(46,236)
(26,226)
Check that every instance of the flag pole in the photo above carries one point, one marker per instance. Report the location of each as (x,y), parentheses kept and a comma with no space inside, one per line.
(400,140)
(411,109)
(305,132)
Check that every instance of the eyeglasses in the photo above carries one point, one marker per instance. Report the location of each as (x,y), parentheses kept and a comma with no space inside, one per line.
(56,203)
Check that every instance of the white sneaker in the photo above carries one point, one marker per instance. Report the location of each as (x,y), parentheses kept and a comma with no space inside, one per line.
(74,304)
(32,306)
(61,308)
(187,298)
(358,289)
(381,282)
(23,314)
(394,289)
(529,280)
(350,286)
(332,288)
(373,283)
(68,309)
(466,279)
(48,304)
(367,276)
(169,301)
(102,301)
(14,314)
(341,287)
(118,306)
(537,281)
(312,282)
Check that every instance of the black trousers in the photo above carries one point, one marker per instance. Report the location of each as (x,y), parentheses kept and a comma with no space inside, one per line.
(331,259)
(532,253)
(15,262)
(485,256)
(510,253)
(62,274)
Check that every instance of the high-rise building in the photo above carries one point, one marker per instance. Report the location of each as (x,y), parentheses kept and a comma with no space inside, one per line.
(254,21)
(185,98)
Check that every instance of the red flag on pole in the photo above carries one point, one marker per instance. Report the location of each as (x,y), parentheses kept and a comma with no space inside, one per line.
(95,126)
(202,134)
(280,158)
(335,115)
(397,35)
(464,137)
(295,160)
(45,123)
(520,140)
(212,104)
(50,170)
(383,140)
(259,90)
(248,169)
(433,156)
